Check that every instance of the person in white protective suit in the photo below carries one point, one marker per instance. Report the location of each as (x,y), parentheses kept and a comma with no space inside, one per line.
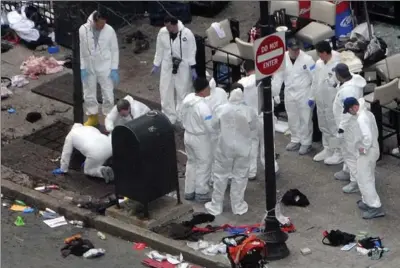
(218,96)
(176,56)
(232,157)
(350,85)
(297,77)
(367,147)
(323,94)
(126,110)
(99,64)
(94,145)
(197,121)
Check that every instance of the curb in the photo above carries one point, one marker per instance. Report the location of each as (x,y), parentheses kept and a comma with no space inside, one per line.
(109,225)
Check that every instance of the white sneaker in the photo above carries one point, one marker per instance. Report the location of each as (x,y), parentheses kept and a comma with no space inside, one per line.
(335,159)
(325,153)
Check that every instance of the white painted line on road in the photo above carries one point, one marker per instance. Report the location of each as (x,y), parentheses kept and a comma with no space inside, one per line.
(270,55)
(182,152)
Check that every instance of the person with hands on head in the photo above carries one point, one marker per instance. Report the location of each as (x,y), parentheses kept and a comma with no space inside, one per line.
(350,85)
(99,60)
(323,94)
(175,58)
(197,120)
(297,77)
(367,147)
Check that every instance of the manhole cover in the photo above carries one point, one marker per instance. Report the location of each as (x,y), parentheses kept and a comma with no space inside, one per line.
(52,137)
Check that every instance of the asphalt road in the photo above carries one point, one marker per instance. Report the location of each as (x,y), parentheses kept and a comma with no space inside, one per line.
(37,245)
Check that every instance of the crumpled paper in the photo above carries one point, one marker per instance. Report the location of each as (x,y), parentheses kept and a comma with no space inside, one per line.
(155,255)
(19,81)
(201,244)
(215,249)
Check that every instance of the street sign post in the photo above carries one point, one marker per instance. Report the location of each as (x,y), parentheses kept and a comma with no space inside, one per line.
(269,54)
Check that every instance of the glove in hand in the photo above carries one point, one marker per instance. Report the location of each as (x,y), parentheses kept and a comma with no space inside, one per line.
(311,103)
(114,75)
(194,74)
(84,75)
(155,69)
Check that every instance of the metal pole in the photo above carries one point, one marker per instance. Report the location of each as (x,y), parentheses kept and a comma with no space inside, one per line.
(76,68)
(367,19)
(273,235)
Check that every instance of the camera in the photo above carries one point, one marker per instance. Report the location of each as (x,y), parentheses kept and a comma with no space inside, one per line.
(175,64)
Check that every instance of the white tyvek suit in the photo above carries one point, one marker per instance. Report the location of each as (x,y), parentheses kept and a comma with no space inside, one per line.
(180,84)
(250,96)
(352,88)
(24,27)
(366,163)
(113,118)
(94,145)
(324,92)
(236,121)
(218,96)
(197,121)
(98,61)
(298,79)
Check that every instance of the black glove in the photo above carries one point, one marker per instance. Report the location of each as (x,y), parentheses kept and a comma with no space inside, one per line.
(340,131)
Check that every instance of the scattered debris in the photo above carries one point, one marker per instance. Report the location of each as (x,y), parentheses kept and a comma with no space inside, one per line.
(49,215)
(139,246)
(56,160)
(78,224)
(53,49)
(294,197)
(32,117)
(35,66)
(101,235)
(76,246)
(305,251)
(94,253)
(19,221)
(19,202)
(57,111)
(11,111)
(155,255)
(348,247)
(52,223)
(5,93)
(19,80)
(71,238)
(47,188)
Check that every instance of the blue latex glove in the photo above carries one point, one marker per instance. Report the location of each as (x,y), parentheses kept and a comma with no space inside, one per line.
(155,69)
(83,164)
(194,74)
(311,103)
(114,75)
(58,171)
(84,75)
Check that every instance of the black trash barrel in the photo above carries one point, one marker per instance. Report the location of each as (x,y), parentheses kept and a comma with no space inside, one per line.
(144,158)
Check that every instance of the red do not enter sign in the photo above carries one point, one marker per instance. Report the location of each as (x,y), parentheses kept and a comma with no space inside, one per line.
(270,54)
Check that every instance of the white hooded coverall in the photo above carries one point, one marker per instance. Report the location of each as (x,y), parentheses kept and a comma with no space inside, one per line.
(232,156)
(98,60)
(352,88)
(324,92)
(94,145)
(180,84)
(366,163)
(298,79)
(197,121)
(250,96)
(114,119)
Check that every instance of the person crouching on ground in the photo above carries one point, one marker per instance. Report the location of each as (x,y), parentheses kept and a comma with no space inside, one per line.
(94,145)
(232,157)
(197,121)
(368,153)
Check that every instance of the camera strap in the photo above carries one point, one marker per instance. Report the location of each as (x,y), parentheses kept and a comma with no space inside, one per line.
(180,43)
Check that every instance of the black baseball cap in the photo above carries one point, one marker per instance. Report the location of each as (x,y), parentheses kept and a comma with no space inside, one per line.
(348,103)
(342,70)
(293,44)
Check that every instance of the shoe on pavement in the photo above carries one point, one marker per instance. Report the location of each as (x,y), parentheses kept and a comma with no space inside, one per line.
(342,176)
(350,188)
(321,156)
(190,196)
(335,159)
(292,146)
(108,174)
(373,213)
(202,198)
(252,178)
(361,205)
(305,149)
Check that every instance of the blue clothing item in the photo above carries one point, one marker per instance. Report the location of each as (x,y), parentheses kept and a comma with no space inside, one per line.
(311,103)
(84,75)
(58,171)
(114,75)
(194,74)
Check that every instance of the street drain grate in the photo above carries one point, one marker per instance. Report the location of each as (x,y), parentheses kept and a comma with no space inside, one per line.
(52,136)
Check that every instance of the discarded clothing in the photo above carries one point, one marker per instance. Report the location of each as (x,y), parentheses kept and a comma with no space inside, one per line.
(35,66)
(337,238)
(19,81)
(76,247)
(294,197)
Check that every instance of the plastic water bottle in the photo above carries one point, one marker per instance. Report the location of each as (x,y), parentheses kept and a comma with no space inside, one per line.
(94,253)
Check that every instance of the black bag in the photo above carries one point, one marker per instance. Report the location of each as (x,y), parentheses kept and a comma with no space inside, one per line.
(294,197)
(337,238)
